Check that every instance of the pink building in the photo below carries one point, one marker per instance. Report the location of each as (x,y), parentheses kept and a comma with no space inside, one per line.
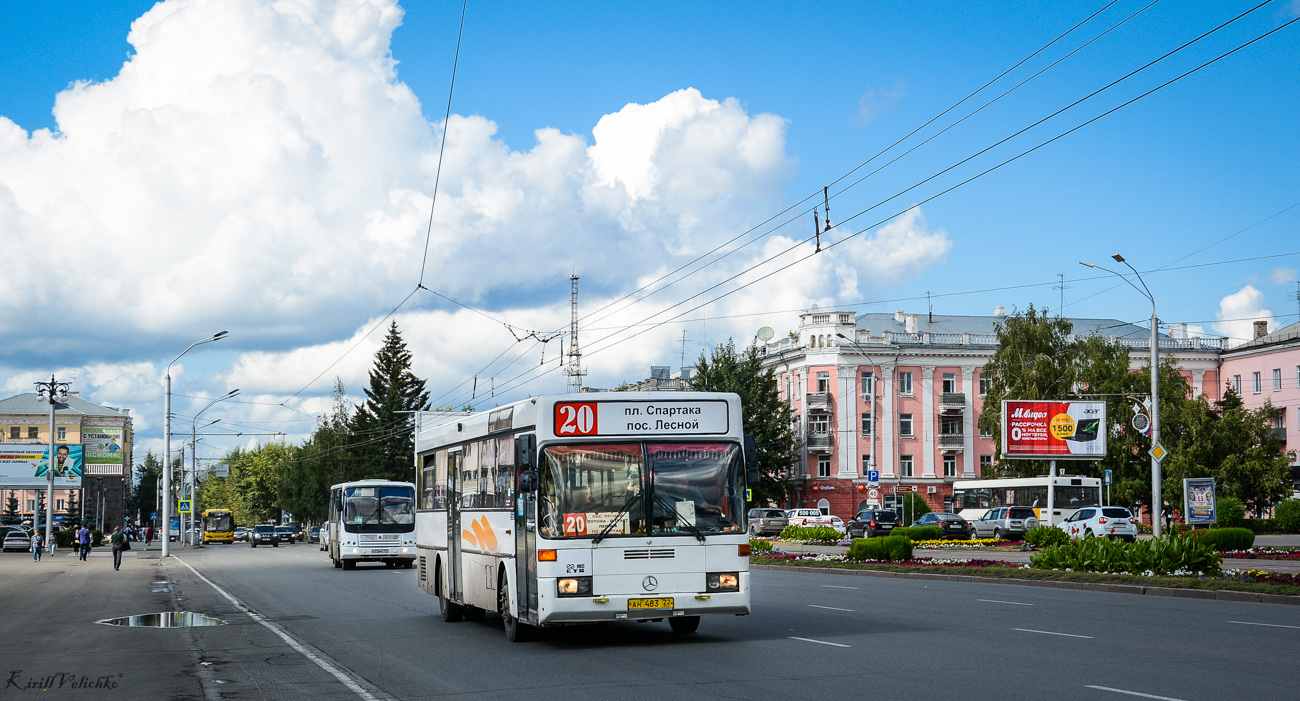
(1267,369)
(902,393)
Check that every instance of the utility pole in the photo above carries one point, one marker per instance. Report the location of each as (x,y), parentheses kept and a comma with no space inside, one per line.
(574,371)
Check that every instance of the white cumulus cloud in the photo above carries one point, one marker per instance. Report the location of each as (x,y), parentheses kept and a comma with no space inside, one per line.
(1238,313)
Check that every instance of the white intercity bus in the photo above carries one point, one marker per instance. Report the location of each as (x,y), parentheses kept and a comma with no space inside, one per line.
(372,521)
(972,498)
(583,508)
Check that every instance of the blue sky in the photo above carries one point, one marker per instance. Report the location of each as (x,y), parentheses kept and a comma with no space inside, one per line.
(1173,173)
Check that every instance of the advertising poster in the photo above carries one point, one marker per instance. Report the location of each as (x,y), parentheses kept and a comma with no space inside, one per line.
(103,444)
(1199,504)
(1060,430)
(24,466)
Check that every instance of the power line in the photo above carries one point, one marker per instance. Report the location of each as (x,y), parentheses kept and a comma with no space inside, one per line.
(446,126)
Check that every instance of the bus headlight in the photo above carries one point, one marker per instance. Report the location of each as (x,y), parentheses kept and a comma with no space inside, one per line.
(406,550)
(722,581)
(573,586)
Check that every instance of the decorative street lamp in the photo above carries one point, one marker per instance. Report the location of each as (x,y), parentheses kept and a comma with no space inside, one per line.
(167,443)
(1157,452)
(194,454)
(53,392)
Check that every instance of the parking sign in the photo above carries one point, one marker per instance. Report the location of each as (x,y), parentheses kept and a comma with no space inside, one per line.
(873,478)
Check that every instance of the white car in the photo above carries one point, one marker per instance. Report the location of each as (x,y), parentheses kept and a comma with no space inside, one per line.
(838,524)
(807,517)
(1101,522)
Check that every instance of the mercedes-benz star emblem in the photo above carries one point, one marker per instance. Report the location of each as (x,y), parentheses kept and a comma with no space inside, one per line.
(650,584)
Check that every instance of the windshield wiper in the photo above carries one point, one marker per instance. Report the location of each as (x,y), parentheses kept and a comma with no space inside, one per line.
(609,526)
(699,535)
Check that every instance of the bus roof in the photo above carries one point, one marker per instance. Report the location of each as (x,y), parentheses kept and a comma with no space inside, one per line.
(1060,481)
(372,483)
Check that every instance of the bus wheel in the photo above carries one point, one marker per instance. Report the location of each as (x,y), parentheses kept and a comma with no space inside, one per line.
(337,564)
(516,632)
(684,624)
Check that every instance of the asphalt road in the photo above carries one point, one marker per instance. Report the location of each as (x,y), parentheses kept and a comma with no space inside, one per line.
(372,633)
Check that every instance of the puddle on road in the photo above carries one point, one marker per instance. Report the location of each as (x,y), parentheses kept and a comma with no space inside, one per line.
(170,619)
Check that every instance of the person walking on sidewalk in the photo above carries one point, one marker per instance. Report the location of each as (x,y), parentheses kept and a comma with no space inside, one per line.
(119,542)
(38,545)
(83,540)
(148,535)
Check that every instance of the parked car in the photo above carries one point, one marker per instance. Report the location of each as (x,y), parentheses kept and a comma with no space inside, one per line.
(1101,521)
(1009,522)
(17,539)
(838,524)
(286,534)
(313,535)
(767,521)
(807,517)
(264,534)
(870,523)
(241,534)
(952,525)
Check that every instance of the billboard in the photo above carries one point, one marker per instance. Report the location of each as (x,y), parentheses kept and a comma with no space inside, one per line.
(1053,430)
(24,466)
(103,444)
(1199,503)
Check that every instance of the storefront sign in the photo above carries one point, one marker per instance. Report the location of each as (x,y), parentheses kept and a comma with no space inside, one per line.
(1046,430)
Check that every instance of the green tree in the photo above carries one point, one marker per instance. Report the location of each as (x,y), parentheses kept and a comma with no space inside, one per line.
(319,463)
(11,515)
(382,443)
(144,495)
(72,514)
(768,419)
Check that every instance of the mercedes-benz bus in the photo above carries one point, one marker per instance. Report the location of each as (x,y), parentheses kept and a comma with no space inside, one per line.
(372,521)
(972,498)
(218,526)
(575,509)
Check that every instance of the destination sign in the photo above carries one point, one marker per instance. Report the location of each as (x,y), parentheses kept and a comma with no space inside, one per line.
(676,418)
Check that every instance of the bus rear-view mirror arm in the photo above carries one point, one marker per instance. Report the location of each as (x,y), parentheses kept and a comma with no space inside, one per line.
(752,475)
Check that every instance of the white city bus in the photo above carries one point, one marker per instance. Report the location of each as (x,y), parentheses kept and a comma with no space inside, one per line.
(372,521)
(571,509)
(971,498)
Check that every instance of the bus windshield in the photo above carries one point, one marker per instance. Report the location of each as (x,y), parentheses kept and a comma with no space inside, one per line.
(635,489)
(219,523)
(378,509)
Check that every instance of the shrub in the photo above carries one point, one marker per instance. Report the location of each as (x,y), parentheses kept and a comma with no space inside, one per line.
(914,506)
(915,533)
(96,538)
(1046,536)
(1158,556)
(811,534)
(64,539)
(1262,525)
(890,547)
(1227,538)
(1287,516)
(759,546)
(1232,513)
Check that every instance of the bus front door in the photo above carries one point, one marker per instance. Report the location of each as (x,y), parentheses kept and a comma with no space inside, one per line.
(452,571)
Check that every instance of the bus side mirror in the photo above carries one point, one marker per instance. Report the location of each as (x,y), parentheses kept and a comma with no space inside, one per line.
(752,475)
(528,481)
(526,452)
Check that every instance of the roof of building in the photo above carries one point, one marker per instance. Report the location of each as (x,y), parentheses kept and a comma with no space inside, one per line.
(986,325)
(1282,335)
(31,403)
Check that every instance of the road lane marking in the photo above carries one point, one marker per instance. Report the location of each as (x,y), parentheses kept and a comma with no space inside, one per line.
(995,601)
(1270,625)
(289,639)
(1132,693)
(1048,632)
(837,586)
(829,608)
(819,642)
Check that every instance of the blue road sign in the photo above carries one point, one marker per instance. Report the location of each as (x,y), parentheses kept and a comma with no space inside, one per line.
(873,478)
(184,507)
(153,517)
(1107,477)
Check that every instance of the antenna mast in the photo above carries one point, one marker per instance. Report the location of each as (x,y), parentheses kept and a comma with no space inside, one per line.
(574,370)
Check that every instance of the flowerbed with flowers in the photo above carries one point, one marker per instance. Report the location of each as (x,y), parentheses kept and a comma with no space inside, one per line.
(980,544)
(1263,554)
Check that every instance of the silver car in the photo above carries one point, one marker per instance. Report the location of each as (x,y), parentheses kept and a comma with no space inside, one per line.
(767,521)
(1005,522)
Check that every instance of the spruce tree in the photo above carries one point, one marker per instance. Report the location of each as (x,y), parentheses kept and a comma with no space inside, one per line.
(11,509)
(72,516)
(382,441)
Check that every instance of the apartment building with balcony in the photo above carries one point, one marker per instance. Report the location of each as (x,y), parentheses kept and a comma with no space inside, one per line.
(902,393)
(1266,370)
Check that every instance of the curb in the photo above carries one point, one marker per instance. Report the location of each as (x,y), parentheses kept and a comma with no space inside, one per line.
(1215,594)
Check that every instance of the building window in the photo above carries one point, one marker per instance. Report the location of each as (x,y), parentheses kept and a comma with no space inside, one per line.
(823,382)
(868,383)
(1279,419)
(819,423)
(866,464)
(984,385)
(866,423)
(950,382)
(1277,379)
(58,505)
(950,466)
(63,433)
(1257,383)
(1236,384)
(904,424)
(823,466)
(33,433)
(31,505)
(15,433)
(824,506)
(905,383)
(905,465)
(985,433)
(950,424)
(986,465)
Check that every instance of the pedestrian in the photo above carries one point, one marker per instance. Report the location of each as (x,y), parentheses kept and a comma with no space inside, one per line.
(148,535)
(38,544)
(119,544)
(83,540)
(1167,512)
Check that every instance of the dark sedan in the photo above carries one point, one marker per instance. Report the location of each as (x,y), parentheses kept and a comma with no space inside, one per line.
(264,535)
(952,525)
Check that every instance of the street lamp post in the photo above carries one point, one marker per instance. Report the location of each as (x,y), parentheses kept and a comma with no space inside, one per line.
(194,454)
(167,443)
(1156,501)
(54,392)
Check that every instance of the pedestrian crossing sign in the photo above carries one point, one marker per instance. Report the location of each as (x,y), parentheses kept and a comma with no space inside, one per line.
(185,506)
